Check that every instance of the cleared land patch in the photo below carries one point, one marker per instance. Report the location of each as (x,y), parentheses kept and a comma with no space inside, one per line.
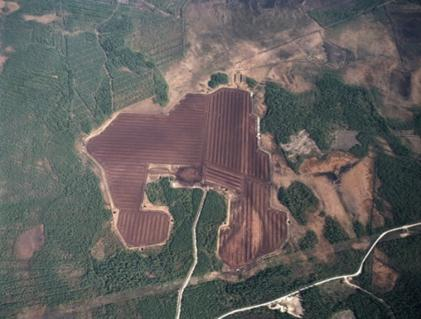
(214,134)
(29,242)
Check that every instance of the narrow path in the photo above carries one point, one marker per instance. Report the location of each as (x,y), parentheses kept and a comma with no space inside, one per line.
(155,8)
(193,266)
(371,295)
(345,277)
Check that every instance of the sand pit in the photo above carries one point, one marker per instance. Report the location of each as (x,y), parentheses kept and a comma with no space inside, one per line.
(29,242)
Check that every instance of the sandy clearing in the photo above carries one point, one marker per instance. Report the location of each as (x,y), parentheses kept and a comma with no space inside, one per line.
(3,59)
(366,36)
(8,7)
(29,242)
(9,49)
(98,250)
(43,19)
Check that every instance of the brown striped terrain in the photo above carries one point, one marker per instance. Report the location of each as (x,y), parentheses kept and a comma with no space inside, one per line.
(216,135)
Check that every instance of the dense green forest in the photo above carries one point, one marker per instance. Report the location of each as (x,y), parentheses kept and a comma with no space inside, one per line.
(333,231)
(62,79)
(400,186)
(331,105)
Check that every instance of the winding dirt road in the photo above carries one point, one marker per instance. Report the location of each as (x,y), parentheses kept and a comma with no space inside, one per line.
(345,277)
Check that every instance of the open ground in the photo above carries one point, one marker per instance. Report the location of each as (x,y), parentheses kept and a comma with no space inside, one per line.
(214,136)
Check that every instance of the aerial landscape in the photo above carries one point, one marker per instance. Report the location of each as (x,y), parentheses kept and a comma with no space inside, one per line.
(253,159)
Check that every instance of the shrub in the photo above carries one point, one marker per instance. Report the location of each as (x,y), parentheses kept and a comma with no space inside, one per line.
(308,241)
(358,228)
(217,79)
(299,199)
(251,83)
(417,124)
(333,231)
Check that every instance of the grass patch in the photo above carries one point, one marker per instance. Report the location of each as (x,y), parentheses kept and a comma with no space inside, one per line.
(299,199)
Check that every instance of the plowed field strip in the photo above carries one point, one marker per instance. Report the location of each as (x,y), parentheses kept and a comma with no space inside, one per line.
(216,133)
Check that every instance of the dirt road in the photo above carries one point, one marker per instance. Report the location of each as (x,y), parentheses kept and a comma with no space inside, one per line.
(195,259)
(345,277)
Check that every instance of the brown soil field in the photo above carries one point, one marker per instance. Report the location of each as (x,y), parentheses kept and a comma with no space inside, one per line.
(29,242)
(189,175)
(384,277)
(214,137)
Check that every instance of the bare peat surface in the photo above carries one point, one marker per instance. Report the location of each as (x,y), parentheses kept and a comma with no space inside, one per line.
(215,138)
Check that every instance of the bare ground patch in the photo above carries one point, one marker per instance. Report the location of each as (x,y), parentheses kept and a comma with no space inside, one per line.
(215,22)
(8,7)
(3,59)
(332,163)
(384,277)
(43,19)
(36,312)
(331,202)
(356,189)
(29,242)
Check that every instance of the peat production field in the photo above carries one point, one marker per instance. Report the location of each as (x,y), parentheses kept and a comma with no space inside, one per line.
(215,137)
